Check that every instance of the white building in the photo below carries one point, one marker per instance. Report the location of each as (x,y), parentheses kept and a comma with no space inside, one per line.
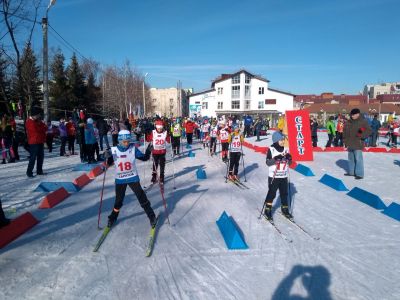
(240,93)
(373,90)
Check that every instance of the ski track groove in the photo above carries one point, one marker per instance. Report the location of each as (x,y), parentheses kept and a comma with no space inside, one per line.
(173,277)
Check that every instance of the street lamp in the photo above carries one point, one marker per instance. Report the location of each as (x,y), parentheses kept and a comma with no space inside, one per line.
(144,98)
(46,63)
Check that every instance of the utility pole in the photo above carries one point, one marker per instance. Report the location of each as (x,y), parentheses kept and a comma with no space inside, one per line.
(46,63)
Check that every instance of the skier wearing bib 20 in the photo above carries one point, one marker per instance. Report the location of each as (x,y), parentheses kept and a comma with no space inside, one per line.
(124,156)
(159,137)
(235,139)
(278,161)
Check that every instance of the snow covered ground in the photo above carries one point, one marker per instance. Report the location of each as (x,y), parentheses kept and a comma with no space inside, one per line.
(356,256)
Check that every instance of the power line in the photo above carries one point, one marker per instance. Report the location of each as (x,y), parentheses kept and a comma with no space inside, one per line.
(20,17)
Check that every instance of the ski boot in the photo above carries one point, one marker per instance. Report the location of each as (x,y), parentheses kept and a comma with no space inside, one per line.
(231,177)
(162,179)
(153,220)
(154,177)
(285,212)
(268,212)
(236,178)
(112,218)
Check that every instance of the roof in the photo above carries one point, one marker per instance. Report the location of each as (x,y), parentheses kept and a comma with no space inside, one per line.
(201,92)
(227,76)
(282,92)
(345,108)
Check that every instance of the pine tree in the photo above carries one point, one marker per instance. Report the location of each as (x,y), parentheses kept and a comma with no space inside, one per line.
(30,87)
(92,93)
(76,86)
(58,86)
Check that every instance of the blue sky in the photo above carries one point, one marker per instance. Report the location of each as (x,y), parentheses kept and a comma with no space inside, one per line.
(301,46)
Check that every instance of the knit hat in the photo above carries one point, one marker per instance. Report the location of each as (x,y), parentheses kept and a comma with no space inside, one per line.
(354,111)
(159,124)
(90,121)
(277,136)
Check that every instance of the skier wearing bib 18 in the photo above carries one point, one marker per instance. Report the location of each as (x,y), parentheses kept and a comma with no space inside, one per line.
(278,161)
(124,156)
(235,139)
(159,137)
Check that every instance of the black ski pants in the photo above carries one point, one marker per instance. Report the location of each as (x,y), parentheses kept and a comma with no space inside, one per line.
(189,137)
(273,185)
(120,190)
(176,143)
(159,159)
(234,160)
(213,144)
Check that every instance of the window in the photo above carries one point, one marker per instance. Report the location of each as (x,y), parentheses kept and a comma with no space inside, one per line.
(261,104)
(197,102)
(247,104)
(205,105)
(220,90)
(235,104)
(154,100)
(220,105)
(236,91)
(236,79)
(247,79)
(270,101)
(261,90)
(247,93)
(171,100)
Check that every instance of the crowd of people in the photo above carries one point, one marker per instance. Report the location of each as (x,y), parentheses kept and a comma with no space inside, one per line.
(91,134)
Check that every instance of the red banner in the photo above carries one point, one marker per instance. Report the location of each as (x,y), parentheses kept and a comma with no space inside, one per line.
(299,135)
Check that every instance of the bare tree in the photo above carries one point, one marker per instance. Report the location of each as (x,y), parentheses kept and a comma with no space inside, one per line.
(19,17)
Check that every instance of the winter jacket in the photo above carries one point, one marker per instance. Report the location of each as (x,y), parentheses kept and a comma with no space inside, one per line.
(248,121)
(375,125)
(36,131)
(90,137)
(62,129)
(71,131)
(355,131)
(314,128)
(190,126)
(330,126)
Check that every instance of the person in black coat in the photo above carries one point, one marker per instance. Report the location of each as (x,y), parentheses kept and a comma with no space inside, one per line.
(314,132)
(103,128)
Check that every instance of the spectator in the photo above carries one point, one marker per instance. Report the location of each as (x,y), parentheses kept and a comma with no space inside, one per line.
(330,127)
(258,125)
(71,133)
(36,132)
(314,132)
(63,136)
(339,133)
(355,131)
(90,140)
(49,136)
(375,125)
(248,122)
(281,123)
(114,132)
(103,133)
(6,139)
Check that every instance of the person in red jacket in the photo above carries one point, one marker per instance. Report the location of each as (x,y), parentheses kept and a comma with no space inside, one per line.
(159,138)
(71,132)
(190,126)
(36,132)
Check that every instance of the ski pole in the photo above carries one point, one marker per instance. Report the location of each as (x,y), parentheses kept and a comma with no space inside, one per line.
(244,169)
(144,164)
(291,202)
(101,198)
(173,168)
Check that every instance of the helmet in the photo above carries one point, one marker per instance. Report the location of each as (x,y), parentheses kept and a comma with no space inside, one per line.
(235,126)
(124,135)
(89,121)
(277,136)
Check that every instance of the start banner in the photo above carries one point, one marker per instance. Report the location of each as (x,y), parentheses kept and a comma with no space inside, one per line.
(299,135)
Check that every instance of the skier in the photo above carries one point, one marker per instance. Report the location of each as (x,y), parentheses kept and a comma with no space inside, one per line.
(235,139)
(223,135)
(213,137)
(205,128)
(159,137)
(176,132)
(278,160)
(124,156)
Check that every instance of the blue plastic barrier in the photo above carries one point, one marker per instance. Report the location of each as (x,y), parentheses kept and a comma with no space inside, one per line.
(231,234)
(393,211)
(367,198)
(201,174)
(333,182)
(191,154)
(52,186)
(84,167)
(188,146)
(302,169)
